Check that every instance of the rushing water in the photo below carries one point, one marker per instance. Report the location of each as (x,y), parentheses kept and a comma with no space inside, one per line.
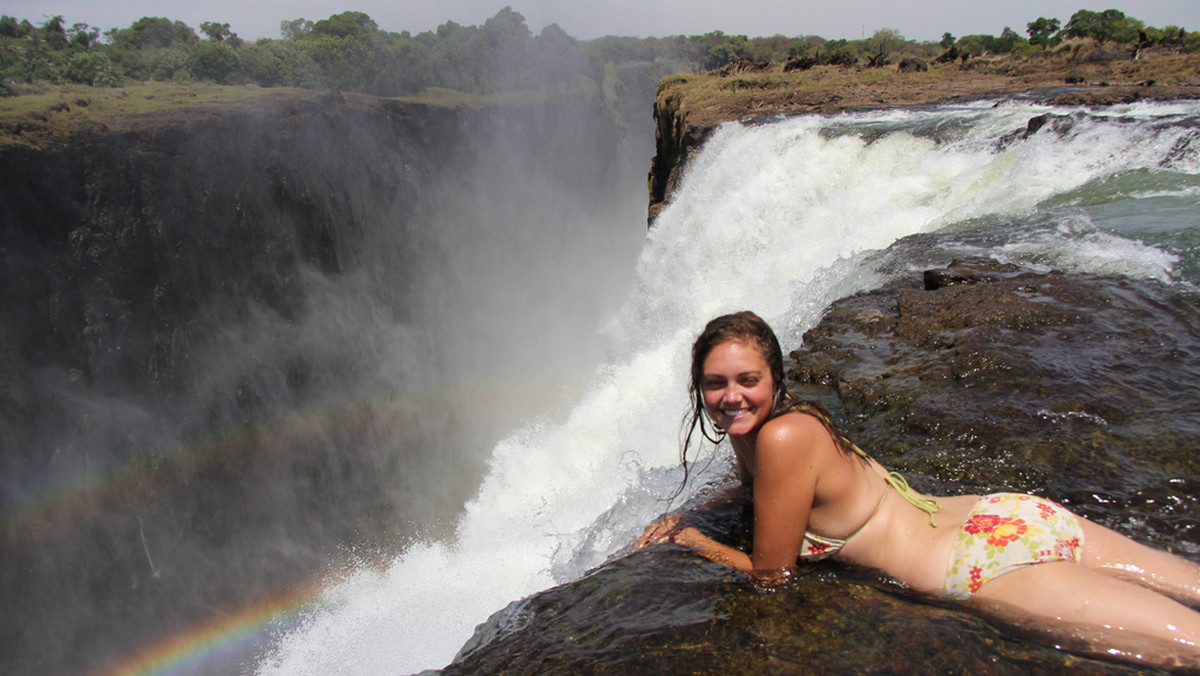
(780,218)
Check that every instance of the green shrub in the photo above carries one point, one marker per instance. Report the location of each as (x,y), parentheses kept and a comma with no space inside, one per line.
(211,60)
(1191,44)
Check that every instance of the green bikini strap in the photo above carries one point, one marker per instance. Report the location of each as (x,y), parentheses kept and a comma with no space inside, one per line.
(927,505)
(893,479)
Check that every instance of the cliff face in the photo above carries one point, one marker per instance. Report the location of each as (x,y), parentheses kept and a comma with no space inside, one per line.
(207,214)
(156,285)
(233,342)
(675,141)
(122,250)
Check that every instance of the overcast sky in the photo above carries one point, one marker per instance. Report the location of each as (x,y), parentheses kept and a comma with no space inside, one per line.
(924,20)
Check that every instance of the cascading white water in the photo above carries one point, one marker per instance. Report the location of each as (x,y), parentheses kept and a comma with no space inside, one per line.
(780,219)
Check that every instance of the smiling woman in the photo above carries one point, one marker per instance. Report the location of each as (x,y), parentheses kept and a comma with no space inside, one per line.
(817,495)
(737,387)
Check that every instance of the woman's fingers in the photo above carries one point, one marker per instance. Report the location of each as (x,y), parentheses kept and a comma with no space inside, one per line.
(658,530)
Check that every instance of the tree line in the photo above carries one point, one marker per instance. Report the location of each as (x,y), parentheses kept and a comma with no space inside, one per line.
(348,51)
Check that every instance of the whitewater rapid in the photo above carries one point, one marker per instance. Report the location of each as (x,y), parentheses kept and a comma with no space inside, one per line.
(780,218)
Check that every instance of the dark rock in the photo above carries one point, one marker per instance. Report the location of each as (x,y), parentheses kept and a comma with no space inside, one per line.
(677,142)
(910,65)
(1059,124)
(740,66)
(799,63)
(950,55)
(667,611)
(967,272)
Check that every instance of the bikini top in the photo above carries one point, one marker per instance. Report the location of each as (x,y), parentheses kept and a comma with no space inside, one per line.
(815,547)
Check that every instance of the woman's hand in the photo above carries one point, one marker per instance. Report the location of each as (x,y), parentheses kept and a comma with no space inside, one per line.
(669,530)
(658,531)
(693,539)
(688,536)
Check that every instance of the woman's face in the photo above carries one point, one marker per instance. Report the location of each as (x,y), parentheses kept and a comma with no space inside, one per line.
(737,386)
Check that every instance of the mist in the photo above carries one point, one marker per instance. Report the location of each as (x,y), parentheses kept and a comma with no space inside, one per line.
(271,356)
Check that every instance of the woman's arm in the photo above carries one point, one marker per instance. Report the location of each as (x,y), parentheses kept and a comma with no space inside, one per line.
(787,469)
(709,548)
(659,530)
(788,457)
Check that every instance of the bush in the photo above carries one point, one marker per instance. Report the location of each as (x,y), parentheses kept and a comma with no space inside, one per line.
(1108,26)
(212,60)
(1027,49)
(89,69)
(272,63)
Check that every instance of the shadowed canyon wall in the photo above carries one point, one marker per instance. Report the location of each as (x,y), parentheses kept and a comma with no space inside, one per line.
(239,346)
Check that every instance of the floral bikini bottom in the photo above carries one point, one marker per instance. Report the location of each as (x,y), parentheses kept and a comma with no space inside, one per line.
(1006,531)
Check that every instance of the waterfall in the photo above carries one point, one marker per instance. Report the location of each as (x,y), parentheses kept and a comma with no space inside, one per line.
(781,218)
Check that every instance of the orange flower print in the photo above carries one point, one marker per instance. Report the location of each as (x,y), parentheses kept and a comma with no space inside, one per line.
(1047,510)
(1065,549)
(976,580)
(1008,530)
(981,523)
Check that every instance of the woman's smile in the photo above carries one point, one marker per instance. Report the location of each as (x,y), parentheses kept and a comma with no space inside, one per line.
(737,385)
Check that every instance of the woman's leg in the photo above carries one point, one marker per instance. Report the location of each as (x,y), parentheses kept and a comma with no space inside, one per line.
(1113,616)
(1114,554)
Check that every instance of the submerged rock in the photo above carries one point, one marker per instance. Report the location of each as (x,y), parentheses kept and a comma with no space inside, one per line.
(969,378)
(665,610)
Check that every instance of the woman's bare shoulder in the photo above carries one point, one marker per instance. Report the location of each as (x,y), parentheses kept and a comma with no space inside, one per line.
(796,430)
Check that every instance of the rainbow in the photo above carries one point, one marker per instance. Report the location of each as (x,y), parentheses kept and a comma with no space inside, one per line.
(46,507)
(219,641)
(81,493)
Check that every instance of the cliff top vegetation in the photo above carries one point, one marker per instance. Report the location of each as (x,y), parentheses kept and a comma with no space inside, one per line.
(55,79)
(1086,72)
(54,114)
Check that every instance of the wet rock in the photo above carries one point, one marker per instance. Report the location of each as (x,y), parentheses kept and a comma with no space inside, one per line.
(665,610)
(1059,124)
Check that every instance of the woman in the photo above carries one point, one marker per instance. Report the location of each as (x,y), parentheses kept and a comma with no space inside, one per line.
(817,495)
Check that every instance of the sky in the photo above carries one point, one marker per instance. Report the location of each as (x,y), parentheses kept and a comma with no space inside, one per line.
(924,20)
